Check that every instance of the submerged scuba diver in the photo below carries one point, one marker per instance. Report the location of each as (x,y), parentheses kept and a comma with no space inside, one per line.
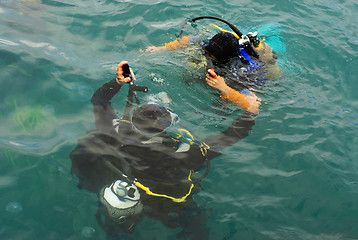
(142,164)
(243,62)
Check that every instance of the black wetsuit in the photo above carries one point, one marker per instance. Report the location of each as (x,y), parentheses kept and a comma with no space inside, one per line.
(158,163)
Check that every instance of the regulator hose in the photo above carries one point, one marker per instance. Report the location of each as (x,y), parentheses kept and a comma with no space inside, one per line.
(235,29)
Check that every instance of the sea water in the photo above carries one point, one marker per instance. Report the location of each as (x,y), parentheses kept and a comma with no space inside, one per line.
(294,177)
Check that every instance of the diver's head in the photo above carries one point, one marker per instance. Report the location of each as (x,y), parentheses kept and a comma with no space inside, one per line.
(222,47)
(151,119)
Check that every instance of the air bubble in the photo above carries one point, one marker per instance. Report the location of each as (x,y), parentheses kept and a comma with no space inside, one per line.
(88,232)
(14,207)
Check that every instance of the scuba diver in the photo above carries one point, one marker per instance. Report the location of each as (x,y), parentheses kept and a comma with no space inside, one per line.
(244,62)
(144,164)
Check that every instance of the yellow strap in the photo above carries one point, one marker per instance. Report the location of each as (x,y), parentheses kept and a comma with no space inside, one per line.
(181,131)
(149,192)
(203,146)
(223,30)
(259,46)
(126,121)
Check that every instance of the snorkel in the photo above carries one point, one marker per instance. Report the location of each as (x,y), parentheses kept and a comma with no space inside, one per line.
(249,41)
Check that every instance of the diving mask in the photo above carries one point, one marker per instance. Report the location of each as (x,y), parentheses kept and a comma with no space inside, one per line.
(152,119)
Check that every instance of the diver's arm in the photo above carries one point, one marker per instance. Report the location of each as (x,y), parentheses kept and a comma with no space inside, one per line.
(181,43)
(249,102)
(104,94)
(238,130)
(103,111)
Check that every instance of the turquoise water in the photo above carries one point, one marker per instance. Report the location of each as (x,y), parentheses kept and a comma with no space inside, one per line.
(294,177)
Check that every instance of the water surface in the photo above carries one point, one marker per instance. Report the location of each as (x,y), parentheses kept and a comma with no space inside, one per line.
(294,177)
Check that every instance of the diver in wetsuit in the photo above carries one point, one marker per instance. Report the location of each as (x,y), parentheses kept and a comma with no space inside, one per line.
(141,164)
(242,63)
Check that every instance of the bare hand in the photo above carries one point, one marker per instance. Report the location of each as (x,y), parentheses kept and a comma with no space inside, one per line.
(120,78)
(216,81)
(255,103)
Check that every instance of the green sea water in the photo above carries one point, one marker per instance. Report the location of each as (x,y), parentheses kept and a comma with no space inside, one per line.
(294,177)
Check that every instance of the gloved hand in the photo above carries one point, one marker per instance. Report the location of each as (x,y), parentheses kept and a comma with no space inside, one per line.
(120,78)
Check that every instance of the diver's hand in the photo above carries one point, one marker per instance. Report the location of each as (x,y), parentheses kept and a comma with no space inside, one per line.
(254,101)
(250,102)
(120,78)
(216,81)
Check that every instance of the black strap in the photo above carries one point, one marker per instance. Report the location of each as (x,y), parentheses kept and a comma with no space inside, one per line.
(132,92)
